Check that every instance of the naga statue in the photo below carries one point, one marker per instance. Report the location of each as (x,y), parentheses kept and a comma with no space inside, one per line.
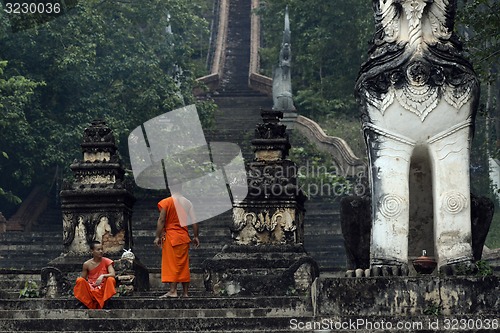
(282,80)
(418,98)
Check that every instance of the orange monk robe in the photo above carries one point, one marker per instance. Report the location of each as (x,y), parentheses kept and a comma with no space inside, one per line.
(175,245)
(91,295)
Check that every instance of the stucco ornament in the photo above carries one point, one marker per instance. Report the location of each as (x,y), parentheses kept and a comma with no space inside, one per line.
(418,97)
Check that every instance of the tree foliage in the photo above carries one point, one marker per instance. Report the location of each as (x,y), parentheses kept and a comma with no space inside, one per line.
(109,59)
(479,24)
(15,95)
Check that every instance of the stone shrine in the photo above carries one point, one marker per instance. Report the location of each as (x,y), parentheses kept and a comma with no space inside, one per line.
(266,255)
(273,213)
(96,206)
(418,98)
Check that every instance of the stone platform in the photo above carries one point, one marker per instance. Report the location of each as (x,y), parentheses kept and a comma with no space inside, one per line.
(408,296)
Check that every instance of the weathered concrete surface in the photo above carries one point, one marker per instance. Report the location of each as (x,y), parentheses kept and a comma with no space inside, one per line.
(260,270)
(409,295)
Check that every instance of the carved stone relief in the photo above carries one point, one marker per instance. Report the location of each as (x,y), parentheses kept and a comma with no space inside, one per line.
(276,225)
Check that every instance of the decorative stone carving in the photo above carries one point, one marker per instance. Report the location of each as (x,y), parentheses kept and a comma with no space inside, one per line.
(265,225)
(97,206)
(54,283)
(418,98)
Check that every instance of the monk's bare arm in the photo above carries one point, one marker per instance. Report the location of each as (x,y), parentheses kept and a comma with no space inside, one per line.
(196,240)
(85,270)
(111,271)
(160,226)
(192,217)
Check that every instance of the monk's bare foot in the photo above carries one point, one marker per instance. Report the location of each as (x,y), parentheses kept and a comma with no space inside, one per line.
(169,295)
(185,296)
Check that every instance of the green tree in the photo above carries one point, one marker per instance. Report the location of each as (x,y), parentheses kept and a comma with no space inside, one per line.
(15,97)
(102,59)
(479,24)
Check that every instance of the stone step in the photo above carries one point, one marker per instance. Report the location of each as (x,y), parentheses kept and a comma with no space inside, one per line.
(100,323)
(242,91)
(149,313)
(32,247)
(323,231)
(183,331)
(146,324)
(196,290)
(240,107)
(12,283)
(242,102)
(30,236)
(294,302)
(239,115)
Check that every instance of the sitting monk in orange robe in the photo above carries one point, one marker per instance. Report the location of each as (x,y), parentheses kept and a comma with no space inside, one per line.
(97,283)
(172,235)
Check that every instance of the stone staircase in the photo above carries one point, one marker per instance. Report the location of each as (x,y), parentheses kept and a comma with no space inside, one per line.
(237,59)
(32,250)
(149,314)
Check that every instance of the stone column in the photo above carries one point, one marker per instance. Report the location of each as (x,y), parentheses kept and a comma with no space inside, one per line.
(266,255)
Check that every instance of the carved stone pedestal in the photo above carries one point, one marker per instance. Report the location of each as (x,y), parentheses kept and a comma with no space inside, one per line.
(266,255)
(260,270)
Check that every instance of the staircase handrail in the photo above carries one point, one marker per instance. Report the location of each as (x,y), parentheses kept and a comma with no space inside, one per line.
(213,79)
(348,163)
(257,81)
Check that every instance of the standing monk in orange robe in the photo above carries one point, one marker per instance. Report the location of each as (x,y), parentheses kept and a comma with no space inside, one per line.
(97,283)
(176,213)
